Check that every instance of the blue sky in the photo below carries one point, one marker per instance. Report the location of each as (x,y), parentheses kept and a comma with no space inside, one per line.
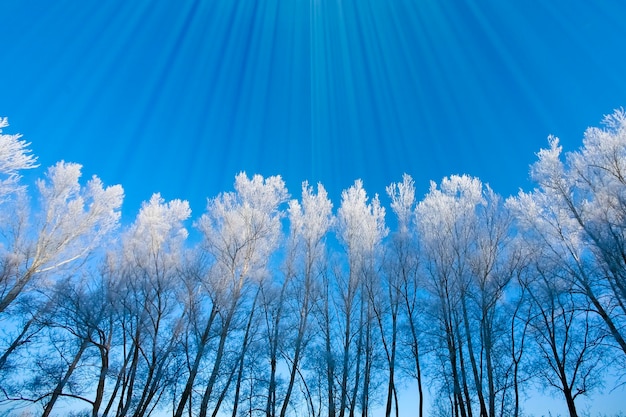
(178,97)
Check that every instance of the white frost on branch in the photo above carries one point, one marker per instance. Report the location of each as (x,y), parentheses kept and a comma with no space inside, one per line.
(14,157)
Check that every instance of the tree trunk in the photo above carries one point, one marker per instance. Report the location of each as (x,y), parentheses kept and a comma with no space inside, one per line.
(104,370)
(330,361)
(58,390)
(118,383)
(127,385)
(571,406)
(17,342)
(218,361)
(16,289)
(470,350)
(186,394)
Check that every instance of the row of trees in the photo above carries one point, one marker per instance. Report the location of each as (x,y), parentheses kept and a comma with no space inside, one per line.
(286,307)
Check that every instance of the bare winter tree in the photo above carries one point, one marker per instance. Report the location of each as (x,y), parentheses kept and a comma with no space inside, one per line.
(241,231)
(569,341)
(398,295)
(361,229)
(466,239)
(578,214)
(14,157)
(148,285)
(71,222)
(298,294)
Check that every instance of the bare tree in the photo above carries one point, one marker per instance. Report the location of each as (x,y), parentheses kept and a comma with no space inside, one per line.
(14,157)
(241,230)
(360,228)
(578,214)
(71,223)
(148,286)
(400,292)
(309,221)
(568,339)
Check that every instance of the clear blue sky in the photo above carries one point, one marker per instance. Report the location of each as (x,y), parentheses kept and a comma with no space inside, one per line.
(179,96)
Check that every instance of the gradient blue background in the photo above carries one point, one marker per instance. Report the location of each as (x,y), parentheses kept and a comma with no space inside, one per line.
(179,96)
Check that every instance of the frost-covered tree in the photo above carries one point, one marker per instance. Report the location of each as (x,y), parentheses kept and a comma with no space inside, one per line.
(465,235)
(398,301)
(360,229)
(71,221)
(290,298)
(14,157)
(577,214)
(445,220)
(148,284)
(241,231)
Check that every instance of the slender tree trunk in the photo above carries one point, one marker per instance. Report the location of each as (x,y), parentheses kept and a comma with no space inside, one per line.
(270,406)
(218,361)
(58,390)
(359,354)
(238,387)
(330,361)
(16,289)
(118,383)
(458,395)
(488,342)
(294,366)
(19,341)
(244,350)
(391,386)
(346,357)
(186,394)
(368,369)
(416,358)
(104,370)
(470,351)
(128,384)
(468,399)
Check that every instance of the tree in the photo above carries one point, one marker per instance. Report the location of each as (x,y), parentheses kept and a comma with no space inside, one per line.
(360,229)
(570,343)
(578,214)
(465,233)
(148,285)
(14,157)
(400,292)
(444,226)
(72,222)
(295,300)
(241,230)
